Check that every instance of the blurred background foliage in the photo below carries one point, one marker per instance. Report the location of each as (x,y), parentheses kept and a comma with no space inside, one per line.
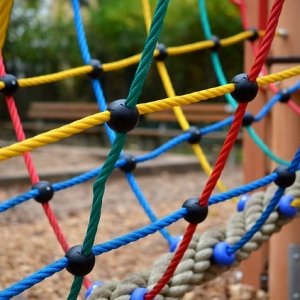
(41,39)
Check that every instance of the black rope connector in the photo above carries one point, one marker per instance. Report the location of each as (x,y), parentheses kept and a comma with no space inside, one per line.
(79,264)
(245,90)
(130,163)
(122,118)
(285,96)
(254,36)
(285,177)
(163,52)
(97,68)
(195,135)
(11,84)
(248,120)
(45,190)
(217,44)
(195,212)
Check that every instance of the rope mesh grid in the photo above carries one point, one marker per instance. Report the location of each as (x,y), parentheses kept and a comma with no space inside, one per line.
(118,141)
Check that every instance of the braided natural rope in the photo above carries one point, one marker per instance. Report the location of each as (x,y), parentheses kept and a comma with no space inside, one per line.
(196,266)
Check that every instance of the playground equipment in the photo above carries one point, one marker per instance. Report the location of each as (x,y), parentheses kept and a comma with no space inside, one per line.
(203,256)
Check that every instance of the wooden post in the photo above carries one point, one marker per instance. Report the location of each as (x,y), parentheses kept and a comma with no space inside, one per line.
(258,167)
(285,139)
(281,132)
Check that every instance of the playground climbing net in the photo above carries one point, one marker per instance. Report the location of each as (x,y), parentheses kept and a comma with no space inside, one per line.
(194,258)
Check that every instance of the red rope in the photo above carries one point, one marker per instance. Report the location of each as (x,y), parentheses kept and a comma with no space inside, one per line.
(263,14)
(18,128)
(225,150)
(267,40)
(224,153)
(294,107)
(174,262)
(243,12)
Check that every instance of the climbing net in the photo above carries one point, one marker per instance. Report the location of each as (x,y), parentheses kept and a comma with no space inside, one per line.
(194,258)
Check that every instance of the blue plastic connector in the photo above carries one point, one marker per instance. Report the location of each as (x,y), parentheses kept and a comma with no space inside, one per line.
(174,241)
(285,208)
(242,202)
(138,294)
(221,255)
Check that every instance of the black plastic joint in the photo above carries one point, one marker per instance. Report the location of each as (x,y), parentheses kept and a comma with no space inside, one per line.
(11,84)
(97,68)
(285,177)
(195,212)
(130,163)
(245,90)
(248,120)
(79,264)
(45,190)
(217,44)
(285,96)
(163,52)
(195,135)
(254,36)
(122,118)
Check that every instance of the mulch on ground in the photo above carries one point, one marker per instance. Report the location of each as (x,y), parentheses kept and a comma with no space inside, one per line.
(28,243)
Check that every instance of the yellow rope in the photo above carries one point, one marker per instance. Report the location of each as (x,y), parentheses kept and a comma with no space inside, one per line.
(78,126)
(5,9)
(126,62)
(295,202)
(181,119)
(279,76)
(26,82)
(54,135)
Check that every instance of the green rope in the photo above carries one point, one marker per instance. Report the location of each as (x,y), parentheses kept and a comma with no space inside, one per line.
(150,44)
(215,58)
(119,142)
(265,149)
(75,289)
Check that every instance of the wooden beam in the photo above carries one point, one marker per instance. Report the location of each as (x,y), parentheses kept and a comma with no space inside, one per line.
(256,168)
(285,140)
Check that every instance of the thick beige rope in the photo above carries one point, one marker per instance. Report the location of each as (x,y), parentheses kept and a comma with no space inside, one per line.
(196,266)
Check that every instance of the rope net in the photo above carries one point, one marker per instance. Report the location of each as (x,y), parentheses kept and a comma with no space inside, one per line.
(196,258)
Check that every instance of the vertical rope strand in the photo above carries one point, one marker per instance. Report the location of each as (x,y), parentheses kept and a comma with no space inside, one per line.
(221,160)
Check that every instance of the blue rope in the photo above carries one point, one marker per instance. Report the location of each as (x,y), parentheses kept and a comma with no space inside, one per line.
(105,247)
(18,200)
(294,165)
(102,106)
(145,204)
(268,106)
(135,235)
(243,189)
(216,126)
(86,57)
(259,223)
(139,233)
(9,203)
(164,148)
(33,279)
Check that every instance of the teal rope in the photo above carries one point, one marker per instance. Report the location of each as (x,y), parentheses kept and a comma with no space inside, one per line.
(119,142)
(98,191)
(215,58)
(265,148)
(75,289)
(150,44)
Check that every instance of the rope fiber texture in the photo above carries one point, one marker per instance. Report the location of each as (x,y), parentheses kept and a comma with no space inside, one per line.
(225,150)
(197,266)
(122,63)
(119,142)
(78,126)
